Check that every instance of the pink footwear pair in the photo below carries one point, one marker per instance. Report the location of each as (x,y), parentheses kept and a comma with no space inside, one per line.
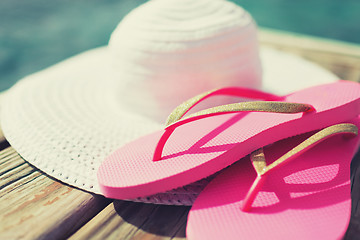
(309,197)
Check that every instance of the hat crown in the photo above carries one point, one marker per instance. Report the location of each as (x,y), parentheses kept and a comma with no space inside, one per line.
(180,20)
(166,51)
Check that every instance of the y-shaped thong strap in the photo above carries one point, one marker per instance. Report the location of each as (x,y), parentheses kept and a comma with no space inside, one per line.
(272,104)
(259,162)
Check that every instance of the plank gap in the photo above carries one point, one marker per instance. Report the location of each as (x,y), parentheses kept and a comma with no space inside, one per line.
(4,144)
(11,167)
(19,182)
(8,183)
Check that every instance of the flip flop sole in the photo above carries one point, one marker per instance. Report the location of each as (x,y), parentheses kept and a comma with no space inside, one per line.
(309,198)
(203,147)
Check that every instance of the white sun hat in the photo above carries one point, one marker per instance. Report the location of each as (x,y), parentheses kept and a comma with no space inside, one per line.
(66,119)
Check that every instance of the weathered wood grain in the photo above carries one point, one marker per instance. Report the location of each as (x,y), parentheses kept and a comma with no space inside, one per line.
(12,168)
(130,220)
(34,206)
(338,57)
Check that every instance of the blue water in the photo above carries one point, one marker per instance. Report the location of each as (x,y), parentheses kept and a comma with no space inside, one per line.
(35,34)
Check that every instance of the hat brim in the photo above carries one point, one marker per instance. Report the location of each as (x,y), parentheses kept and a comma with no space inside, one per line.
(66,119)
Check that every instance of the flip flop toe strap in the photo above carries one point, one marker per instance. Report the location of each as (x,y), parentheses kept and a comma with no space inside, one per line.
(177,118)
(183,108)
(259,162)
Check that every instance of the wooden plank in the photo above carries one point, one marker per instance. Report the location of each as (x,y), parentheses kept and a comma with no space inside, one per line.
(12,168)
(338,57)
(34,206)
(308,43)
(130,220)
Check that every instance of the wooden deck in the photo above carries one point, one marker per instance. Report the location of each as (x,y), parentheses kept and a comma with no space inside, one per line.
(36,206)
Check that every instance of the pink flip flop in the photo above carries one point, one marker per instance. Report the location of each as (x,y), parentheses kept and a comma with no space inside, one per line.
(194,147)
(303,195)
